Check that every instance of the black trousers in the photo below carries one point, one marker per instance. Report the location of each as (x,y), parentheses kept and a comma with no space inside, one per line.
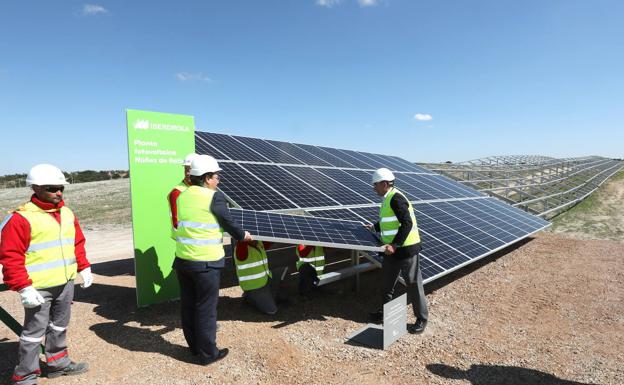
(199,295)
(409,269)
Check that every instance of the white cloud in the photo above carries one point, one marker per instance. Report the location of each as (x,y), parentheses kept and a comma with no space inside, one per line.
(93,9)
(327,3)
(190,77)
(368,3)
(423,117)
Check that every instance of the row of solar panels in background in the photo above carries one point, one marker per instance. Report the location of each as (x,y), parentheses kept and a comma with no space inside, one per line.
(240,148)
(455,233)
(272,187)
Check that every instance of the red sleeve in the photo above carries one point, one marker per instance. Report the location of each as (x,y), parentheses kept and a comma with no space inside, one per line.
(241,251)
(173,197)
(79,248)
(304,250)
(14,242)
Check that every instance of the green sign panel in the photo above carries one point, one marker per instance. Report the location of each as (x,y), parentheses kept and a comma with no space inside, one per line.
(157,145)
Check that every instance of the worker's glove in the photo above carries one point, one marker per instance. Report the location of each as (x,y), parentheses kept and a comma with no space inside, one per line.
(87,278)
(31,297)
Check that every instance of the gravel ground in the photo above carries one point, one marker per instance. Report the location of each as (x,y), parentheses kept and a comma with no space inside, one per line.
(549,311)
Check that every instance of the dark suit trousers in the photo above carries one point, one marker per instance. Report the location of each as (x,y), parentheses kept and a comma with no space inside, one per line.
(199,294)
(409,269)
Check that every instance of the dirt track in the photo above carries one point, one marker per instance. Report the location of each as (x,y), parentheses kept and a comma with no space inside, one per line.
(549,311)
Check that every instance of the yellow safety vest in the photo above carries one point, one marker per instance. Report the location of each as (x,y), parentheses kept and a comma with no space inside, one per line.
(253,272)
(50,258)
(198,236)
(316,259)
(389,224)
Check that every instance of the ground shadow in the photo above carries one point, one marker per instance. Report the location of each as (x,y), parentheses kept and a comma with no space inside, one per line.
(499,374)
(118,305)
(8,352)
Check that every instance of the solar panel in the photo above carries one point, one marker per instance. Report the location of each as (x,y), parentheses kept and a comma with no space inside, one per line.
(343,194)
(307,230)
(299,153)
(346,214)
(326,156)
(267,150)
(385,161)
(457,224)
(248,191)
(349,157)
(233,148)
(297,190)
(351,182)
(203,146)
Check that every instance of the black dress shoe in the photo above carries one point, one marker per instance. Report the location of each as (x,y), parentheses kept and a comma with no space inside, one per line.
(222,353)
(418,327)
(376,317)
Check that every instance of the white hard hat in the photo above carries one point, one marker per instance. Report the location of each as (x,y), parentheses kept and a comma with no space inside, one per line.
(188,159)
(383,174)
(202,164)
(45,175)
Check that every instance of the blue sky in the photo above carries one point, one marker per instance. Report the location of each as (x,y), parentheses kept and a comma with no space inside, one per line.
(426,80)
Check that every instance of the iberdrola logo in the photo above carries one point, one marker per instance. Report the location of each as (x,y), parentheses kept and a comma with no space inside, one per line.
(141,124)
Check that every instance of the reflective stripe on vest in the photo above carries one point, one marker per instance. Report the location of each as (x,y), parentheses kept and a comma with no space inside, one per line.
(316,259)
(253,272)
(50,259)
(199,236)
(389,224)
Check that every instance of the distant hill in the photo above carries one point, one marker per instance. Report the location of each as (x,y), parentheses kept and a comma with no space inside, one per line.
(19,180)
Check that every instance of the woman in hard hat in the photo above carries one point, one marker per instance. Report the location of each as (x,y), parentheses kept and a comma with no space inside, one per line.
(177,190)
(203,216)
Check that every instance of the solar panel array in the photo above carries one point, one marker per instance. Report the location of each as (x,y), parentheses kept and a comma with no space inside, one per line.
(306,229)
(458,225)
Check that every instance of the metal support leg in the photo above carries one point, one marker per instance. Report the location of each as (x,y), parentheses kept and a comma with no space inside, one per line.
(355,260)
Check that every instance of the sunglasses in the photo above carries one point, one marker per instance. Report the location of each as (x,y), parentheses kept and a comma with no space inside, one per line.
(53,189)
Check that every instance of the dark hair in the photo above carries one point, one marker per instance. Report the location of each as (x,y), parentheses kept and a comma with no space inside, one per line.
(198,180)
(390,183)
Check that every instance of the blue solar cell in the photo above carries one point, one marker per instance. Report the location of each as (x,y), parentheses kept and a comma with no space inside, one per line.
(386,161)
(416,186)
(352,182)
(370,213)
(345,214)
(428,268)
(446,234)
(249,192)
(204,148)
(234,149)
(299,153)
(327,157)
(460,209)
(297,190)
(305,229)
(328,185)
(350,157)
(267,150)
(461,223)
(486,210)
(440,253)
